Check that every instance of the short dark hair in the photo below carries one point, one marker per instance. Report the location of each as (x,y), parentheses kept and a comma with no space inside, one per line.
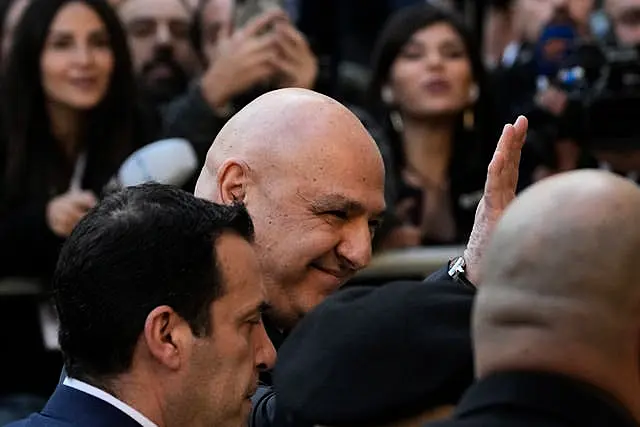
(140,248)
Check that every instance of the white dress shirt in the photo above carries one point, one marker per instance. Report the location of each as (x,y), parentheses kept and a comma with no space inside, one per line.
(102,395)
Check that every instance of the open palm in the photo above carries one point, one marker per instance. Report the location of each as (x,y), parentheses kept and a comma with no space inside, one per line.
(499,191)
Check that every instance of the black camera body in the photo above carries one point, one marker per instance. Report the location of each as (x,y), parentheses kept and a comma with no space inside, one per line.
(603,84)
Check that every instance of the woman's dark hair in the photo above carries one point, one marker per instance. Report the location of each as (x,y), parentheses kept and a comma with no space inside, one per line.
(33,158)
(470,147)
(5,7)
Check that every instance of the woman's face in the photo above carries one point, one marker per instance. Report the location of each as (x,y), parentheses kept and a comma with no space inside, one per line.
(432,76)
(77,60)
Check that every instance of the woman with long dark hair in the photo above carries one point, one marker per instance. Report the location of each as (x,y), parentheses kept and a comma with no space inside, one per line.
(70,119)
(429,88)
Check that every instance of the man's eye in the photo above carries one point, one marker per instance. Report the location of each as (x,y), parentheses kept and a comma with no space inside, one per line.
(255,321)
(338,214)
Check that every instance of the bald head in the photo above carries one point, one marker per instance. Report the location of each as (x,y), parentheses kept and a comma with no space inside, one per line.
(312,179)
(289,130)
(561,289)
(568,233)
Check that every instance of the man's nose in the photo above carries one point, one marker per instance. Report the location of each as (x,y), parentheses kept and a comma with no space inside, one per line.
(266,352)
(355,247)
(557,4)
(163,34)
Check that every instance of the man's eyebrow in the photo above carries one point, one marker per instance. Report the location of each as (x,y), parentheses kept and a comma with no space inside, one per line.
(338,201)
(262,307)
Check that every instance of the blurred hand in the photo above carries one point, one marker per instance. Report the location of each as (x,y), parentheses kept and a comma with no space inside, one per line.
(64,211)
(499,191)
(242,60)
(297,64)
(553,100)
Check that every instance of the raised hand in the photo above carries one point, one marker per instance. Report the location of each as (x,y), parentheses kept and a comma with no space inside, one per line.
(240,61)
(499,191)
(297,63)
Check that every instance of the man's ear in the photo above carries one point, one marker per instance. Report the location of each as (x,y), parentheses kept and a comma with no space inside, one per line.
(167,336)
(233,177)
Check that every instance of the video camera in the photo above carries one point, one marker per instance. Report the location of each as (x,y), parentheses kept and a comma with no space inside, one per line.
(604,83)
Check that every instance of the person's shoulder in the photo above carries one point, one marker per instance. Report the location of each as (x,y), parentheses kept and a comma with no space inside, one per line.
(38,420)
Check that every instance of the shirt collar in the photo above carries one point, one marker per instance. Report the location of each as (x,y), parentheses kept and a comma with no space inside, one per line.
(102,395)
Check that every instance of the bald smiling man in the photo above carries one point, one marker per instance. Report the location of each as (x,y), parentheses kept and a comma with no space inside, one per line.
(312,180)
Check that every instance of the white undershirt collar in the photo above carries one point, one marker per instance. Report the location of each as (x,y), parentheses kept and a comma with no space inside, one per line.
(102,395)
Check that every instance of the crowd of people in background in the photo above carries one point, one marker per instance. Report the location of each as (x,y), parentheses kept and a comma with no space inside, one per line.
(431,97)
(86,84)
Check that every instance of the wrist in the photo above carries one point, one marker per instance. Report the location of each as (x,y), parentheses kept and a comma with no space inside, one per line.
(471,265)
(457,271)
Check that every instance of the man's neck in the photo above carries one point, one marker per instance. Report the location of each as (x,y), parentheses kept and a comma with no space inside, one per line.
(141,395)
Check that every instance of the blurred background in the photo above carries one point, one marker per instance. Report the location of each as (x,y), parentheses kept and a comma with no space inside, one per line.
(100,94)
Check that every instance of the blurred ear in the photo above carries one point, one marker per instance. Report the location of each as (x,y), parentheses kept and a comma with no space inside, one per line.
(233,177)
(168,337)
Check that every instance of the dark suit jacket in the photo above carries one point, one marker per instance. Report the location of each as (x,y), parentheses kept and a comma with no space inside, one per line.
(536,399)
(69,407)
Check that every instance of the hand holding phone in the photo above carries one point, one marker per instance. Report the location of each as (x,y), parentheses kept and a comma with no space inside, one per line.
(248,10)
(242,60)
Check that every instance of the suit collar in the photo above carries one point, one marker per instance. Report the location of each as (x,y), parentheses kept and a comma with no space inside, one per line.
(83,409)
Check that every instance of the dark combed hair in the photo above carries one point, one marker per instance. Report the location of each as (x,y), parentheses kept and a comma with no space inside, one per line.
(108,128)
(140,248)
(469,147)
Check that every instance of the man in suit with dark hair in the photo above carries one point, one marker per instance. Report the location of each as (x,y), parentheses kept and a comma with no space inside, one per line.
(159,296)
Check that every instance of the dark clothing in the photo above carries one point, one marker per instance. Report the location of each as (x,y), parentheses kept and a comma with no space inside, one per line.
(191,117)
(264,412)
(467,172)
(69,407)
(535,399)
(30,248)
(515,84)
(370,355)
